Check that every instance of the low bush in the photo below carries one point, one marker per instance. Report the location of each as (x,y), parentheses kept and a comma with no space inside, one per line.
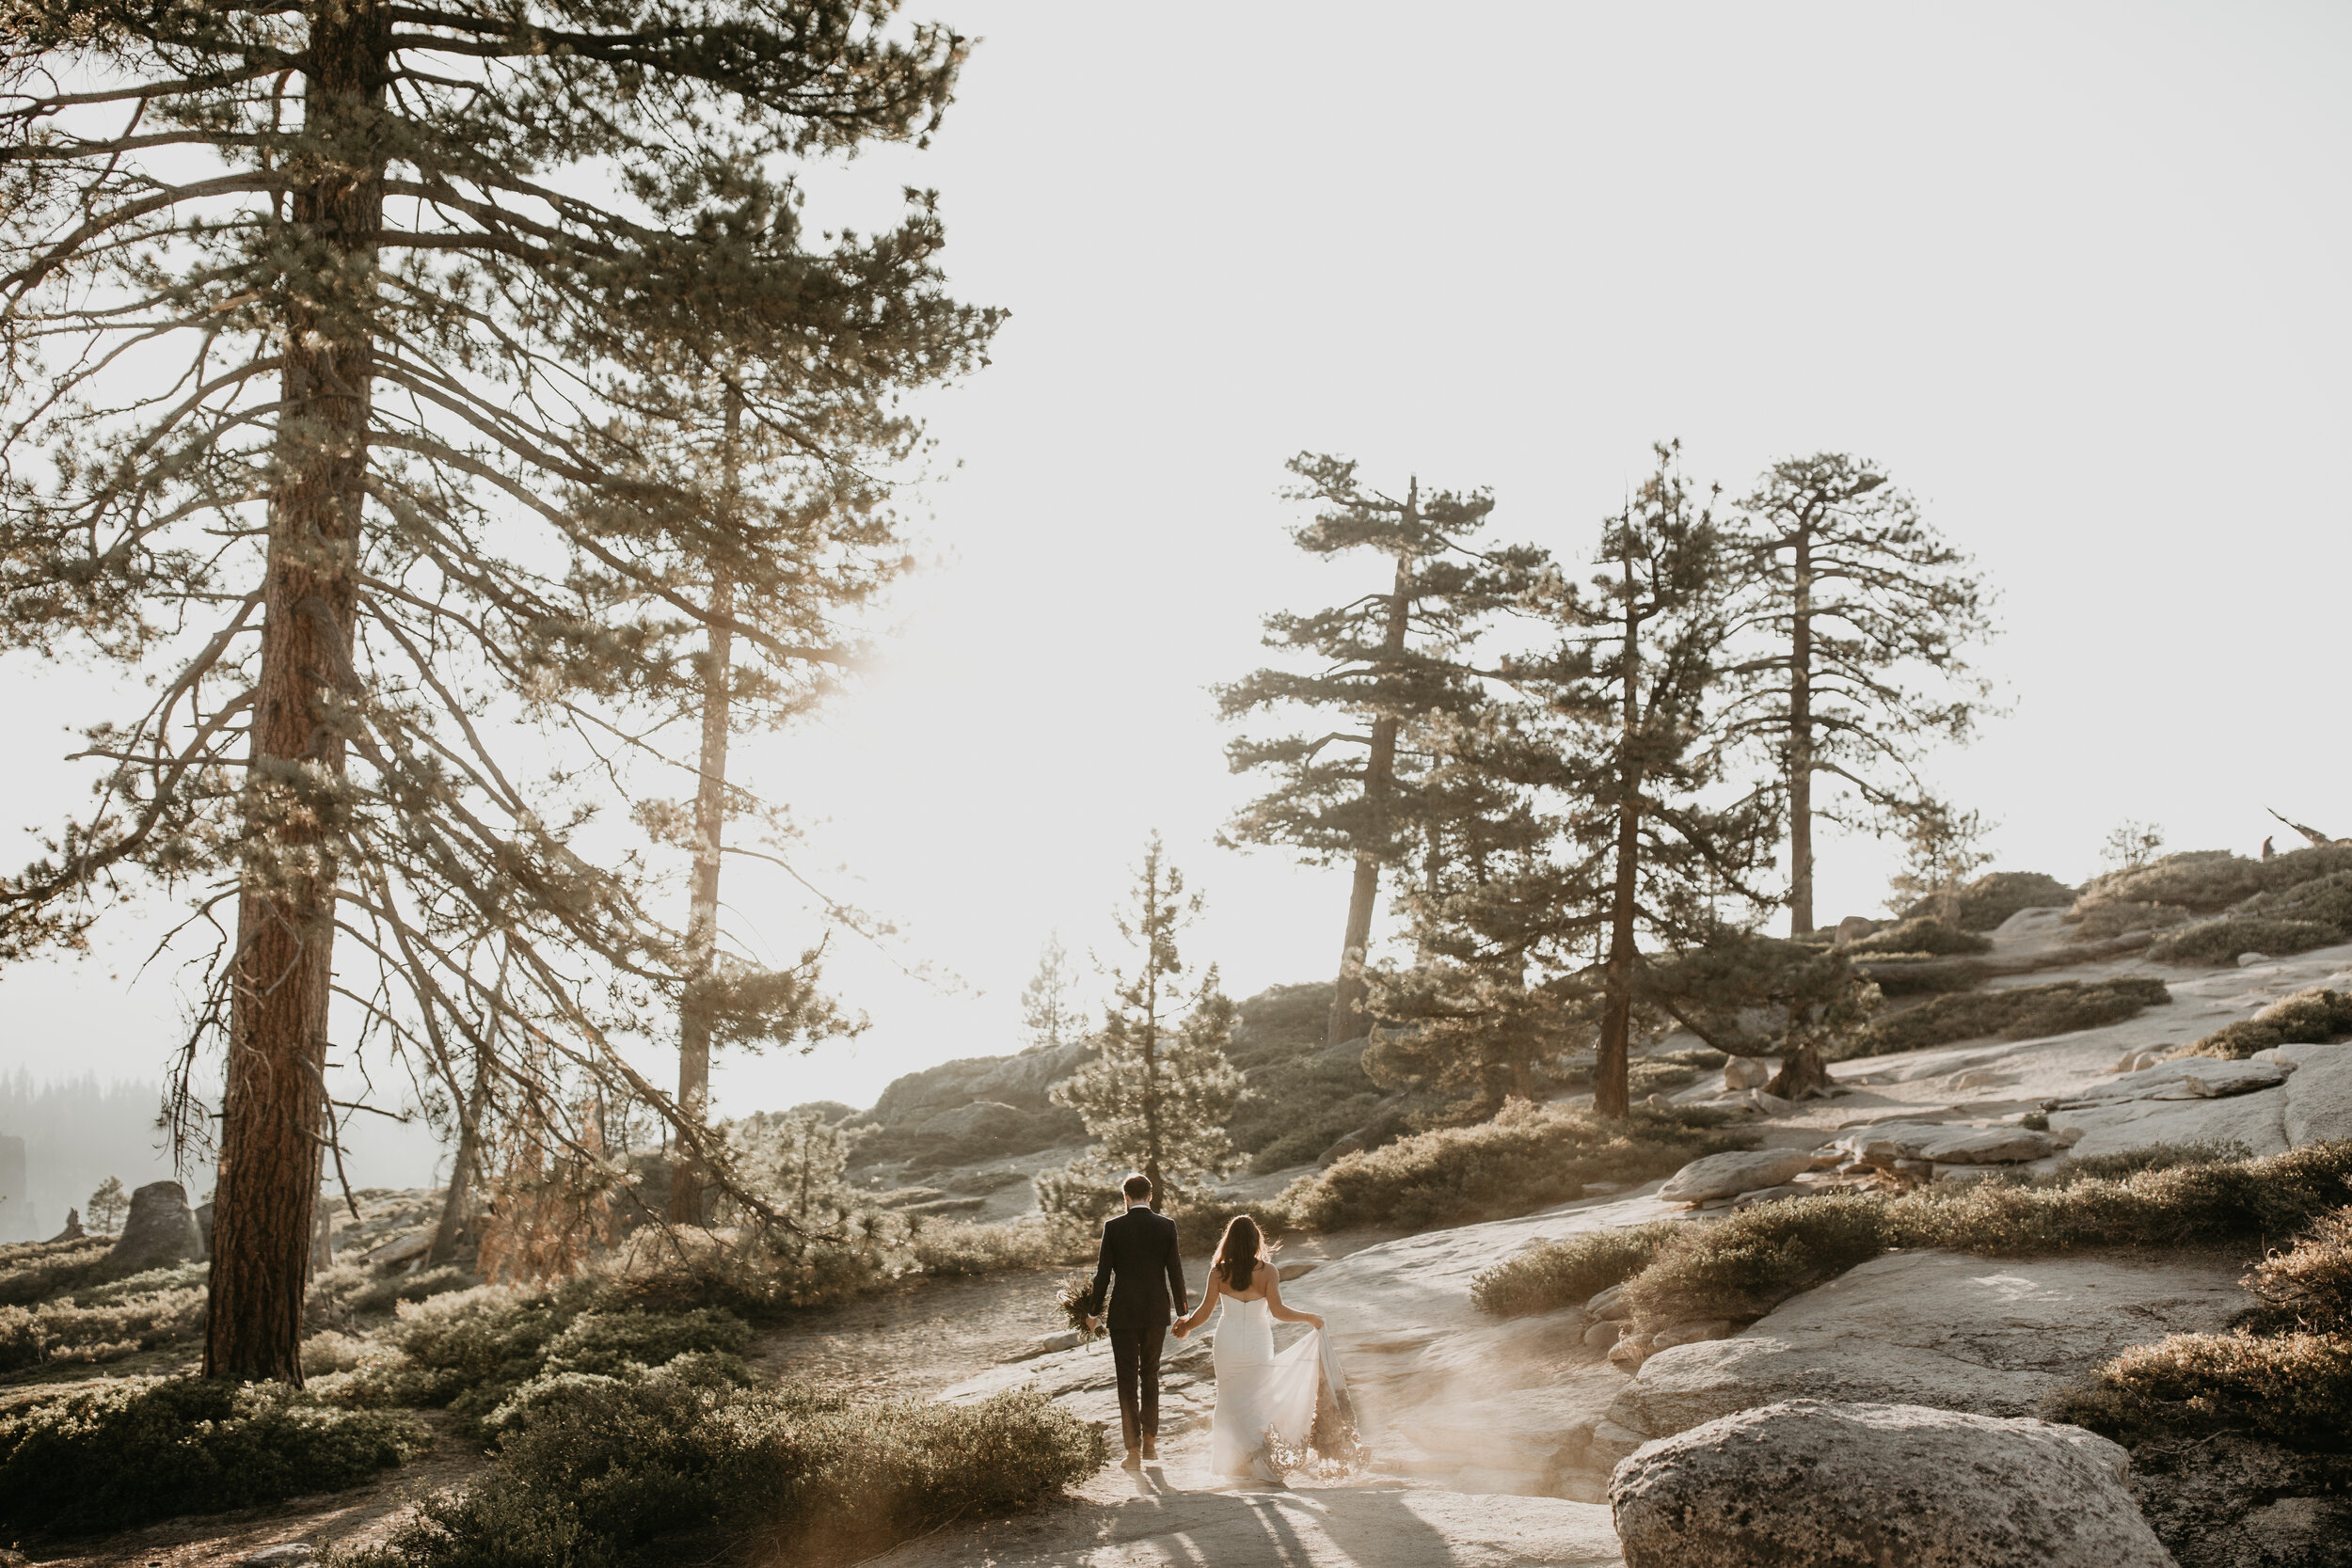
(2293,1388)
(2306,1018)
(1551,1274)
(36,1270)
(1293,1110)
(1740,1265)
(1931,938)
(1528,1157)
(1746,1265)
(2016,1012)
(2327,900)
(1027,1243)
(1992,898)
(2285,1374)
(342,1293)
(469,1351)
(2216,944)
(2117,917)
(2207,881)
(593,1470)
(132,1450)
(2309,1287)
(755,1274)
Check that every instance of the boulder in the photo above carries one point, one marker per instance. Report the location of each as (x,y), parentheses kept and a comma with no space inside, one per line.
(1729,1175)
(286,1554)
(1746,1072)
(160,1230)
(1940,1143)
(2189,1078)
(1995,1337)
(2319,1095)
(1871,1485)
(1854,927)
(204,1225)
(2109,1127)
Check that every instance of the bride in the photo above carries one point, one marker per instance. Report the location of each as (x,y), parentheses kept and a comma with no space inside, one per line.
(1263,1400)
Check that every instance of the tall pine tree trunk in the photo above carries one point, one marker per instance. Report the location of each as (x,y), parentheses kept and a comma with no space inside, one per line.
(1151,1039)
(688,1183)
(1800,743)
(273,1109)
(1347,996)
(1611,1092)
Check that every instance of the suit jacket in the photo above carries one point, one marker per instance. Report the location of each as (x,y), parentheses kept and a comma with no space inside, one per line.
(1140,1268)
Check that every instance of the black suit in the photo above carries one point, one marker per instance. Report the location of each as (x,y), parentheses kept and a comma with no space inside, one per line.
(1140,1270)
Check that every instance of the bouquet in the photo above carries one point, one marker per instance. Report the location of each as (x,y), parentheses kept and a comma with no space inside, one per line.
(1076,1298)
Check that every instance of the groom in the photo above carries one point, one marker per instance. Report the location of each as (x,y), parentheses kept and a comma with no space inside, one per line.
(1146,1280)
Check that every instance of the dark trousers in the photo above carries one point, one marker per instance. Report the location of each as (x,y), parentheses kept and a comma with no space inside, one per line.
(1135,1355)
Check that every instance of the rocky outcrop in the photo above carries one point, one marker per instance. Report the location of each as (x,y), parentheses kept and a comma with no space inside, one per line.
(1729,1175)
(1884,1143)
(73,1231)
(1018,1080)
(1869,1485)
(160,1231)
(1183,1520)
(2319,1095)
(1991,1335)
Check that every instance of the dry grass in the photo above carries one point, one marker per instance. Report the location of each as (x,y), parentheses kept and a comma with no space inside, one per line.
(1529,1156)
(2306,1018)
(1743,1264)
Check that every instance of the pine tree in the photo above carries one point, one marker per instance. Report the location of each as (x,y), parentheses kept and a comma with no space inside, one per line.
(1048,1016)
(1810,998)
(1942,849)
(1858,611)
(107,1206)
(1628,838)
(1157,1096)
(1387,662)
(327,344)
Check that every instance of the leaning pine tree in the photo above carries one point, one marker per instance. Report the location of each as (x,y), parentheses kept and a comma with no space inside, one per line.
(1158,1092)
(1390,660)
(1853,613)
(319,325)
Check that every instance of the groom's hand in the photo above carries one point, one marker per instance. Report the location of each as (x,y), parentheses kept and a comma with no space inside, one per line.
(1094,1324)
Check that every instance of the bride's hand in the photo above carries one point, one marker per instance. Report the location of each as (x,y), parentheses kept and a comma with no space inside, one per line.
(1317,1321)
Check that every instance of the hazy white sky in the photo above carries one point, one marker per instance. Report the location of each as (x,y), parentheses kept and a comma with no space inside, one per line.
(2072,273)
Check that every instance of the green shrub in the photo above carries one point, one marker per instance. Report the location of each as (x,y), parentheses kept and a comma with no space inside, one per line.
(1930,937)
(2293,1388)
(36,1270)
(2016,1012)
(1527,1158)
(1992,898)
(1025,1243)
(2327,900)
(1569,1273)
(592,1470)
(758,1275)
(2216,944)
(469,1351)
(2306,1018)
(138,1449)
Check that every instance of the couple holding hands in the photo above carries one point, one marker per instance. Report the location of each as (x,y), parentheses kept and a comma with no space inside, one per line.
(1265,1404)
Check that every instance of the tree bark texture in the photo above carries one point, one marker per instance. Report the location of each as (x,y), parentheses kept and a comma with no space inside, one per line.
(1801,742)
(1612,1092)
(274,1106)
(1347,996)
(690,1197)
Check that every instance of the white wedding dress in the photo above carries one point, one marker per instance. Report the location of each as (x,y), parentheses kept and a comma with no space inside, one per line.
(1260,1394)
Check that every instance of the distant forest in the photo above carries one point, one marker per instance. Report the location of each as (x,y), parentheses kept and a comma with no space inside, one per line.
(74,1132)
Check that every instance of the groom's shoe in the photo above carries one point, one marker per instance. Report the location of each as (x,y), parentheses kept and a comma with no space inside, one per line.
(1133,1459)
(1151,1449)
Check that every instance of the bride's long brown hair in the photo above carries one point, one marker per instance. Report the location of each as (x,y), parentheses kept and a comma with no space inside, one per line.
(1239,1253)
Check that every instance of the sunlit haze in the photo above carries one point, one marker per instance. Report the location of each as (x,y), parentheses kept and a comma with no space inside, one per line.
(2073,274)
